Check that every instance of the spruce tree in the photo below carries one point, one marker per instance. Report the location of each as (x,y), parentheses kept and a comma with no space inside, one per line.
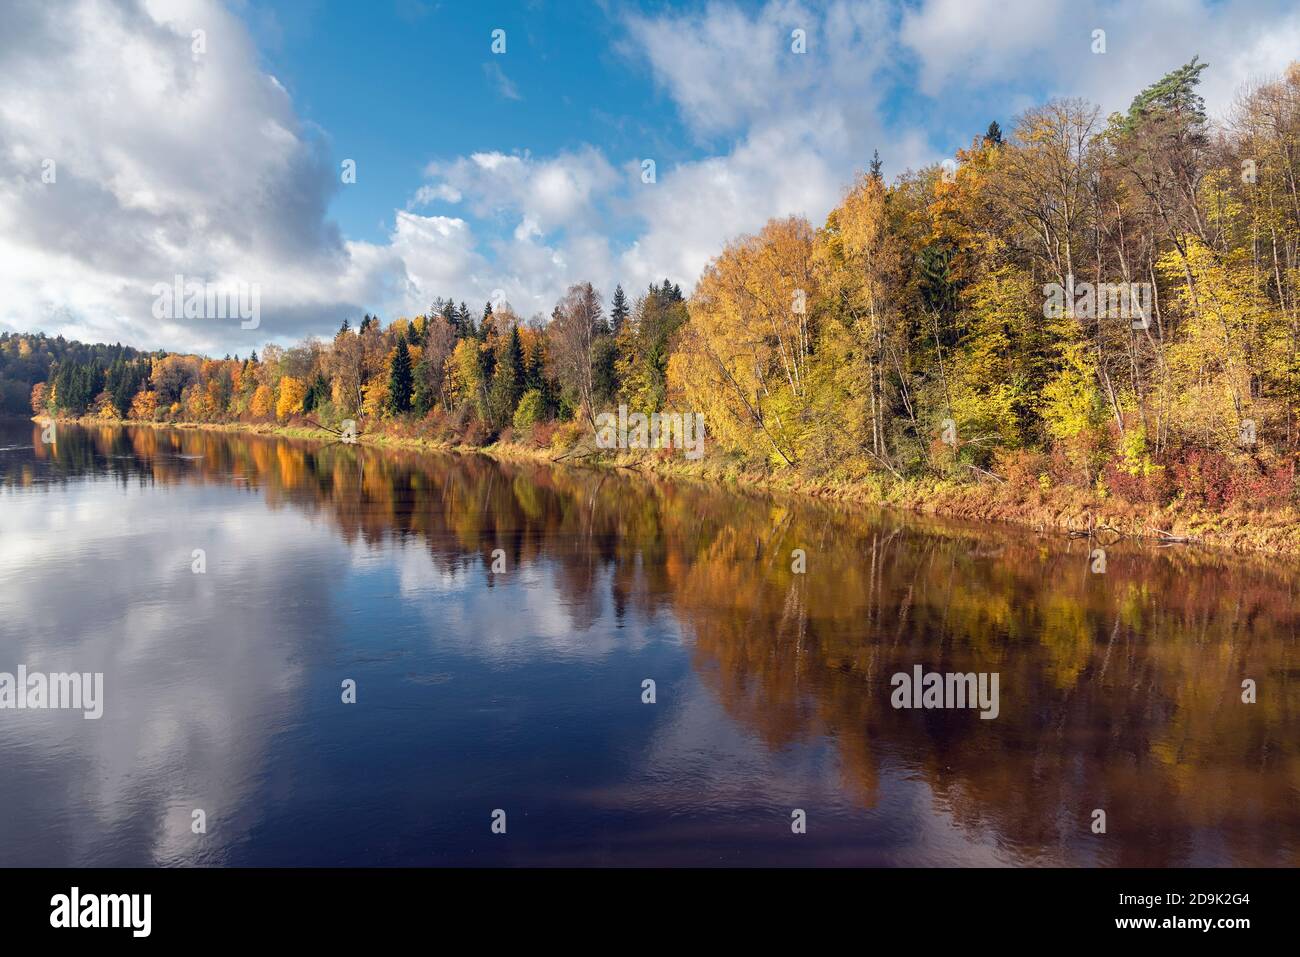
(423,398)
(618,309)
(508,380)
(400,381)
(448,312)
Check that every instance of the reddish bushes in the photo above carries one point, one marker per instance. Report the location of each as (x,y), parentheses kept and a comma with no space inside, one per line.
(1265,485)
(1022,468)
(1150,487)
(543,432)
(1207,479)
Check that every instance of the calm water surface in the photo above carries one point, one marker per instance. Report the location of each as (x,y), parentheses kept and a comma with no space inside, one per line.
(523,690)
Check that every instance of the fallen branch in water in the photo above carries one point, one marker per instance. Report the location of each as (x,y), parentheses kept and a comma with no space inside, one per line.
(574,452)
(1098,530)
(323,428)
(349,438)
(1094,531)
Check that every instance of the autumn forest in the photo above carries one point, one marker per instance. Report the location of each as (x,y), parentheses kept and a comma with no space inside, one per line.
(908,335)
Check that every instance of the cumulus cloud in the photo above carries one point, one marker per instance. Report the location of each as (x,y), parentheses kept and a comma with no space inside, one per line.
(802,125)
(964,40)
(1021,47)
(554,214)
(174,161)
(562,191)
(806,123)
(165,161)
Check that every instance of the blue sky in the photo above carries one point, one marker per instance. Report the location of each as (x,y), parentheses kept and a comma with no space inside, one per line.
(396,85)
(482,175)
(399,84)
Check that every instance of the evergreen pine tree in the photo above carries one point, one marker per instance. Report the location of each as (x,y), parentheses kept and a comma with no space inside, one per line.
(423,397)
(400,381)
(448,312)
(508,380)
(618,309)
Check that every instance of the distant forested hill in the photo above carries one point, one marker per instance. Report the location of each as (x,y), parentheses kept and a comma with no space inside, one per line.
(29,358)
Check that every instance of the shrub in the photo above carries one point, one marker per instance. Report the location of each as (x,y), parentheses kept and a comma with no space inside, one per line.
(474,432)
(544,433)
(529,411)
(1202,477)
(1264,483)
(1147,485)
(567,435)
(1021,468)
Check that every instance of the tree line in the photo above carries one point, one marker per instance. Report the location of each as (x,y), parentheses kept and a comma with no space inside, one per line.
(920,330)
(463,377)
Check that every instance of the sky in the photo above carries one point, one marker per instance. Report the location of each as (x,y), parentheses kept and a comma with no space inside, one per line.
(328,159)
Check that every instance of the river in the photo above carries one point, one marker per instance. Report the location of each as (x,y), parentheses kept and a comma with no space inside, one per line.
(500,623)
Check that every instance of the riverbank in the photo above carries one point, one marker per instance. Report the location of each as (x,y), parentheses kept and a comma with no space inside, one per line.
(1068,510)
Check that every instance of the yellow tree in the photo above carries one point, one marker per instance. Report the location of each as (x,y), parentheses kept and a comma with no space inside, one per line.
(292,392)
(747,349)
(144,407)
(263,403)
(858,263)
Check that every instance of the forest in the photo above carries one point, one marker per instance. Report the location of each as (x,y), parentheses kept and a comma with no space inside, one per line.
(921,330)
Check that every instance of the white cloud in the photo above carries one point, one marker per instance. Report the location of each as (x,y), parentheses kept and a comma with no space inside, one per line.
(504,85)
(808,122)
(436,257)
(1025,45)
(550,194)
(961,40)
(429,194)
(555,215)
(168,162)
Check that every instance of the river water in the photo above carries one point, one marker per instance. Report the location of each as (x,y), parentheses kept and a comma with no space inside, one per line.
(500,622)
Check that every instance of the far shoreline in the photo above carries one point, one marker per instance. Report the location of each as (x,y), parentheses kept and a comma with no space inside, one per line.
(1065,510)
